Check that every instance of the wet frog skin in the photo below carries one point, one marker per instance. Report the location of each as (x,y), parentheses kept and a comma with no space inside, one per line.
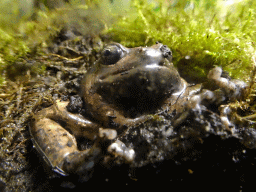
(127,83)
(121,90)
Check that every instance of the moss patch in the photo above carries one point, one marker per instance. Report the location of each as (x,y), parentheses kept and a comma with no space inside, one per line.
(200,33)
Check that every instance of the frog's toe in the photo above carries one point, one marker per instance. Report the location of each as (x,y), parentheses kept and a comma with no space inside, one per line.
(233,89)
(82,162)
(118,148)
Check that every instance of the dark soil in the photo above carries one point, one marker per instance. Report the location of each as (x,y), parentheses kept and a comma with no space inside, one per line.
(212,160)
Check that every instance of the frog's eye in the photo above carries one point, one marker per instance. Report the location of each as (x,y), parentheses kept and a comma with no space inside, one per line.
(111,54)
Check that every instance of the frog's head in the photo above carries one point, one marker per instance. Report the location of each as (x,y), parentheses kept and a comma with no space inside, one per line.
(139,78)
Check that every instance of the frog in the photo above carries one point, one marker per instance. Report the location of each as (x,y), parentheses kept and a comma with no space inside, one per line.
(124,88)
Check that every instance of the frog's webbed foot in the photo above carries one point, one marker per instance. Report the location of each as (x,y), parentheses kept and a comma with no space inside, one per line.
(234,89)
(229,89)
(194,104)
(118,148)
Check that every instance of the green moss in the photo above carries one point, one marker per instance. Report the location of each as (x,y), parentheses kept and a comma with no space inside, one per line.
(11,48)
(209,32)
(25,28)
(206,31)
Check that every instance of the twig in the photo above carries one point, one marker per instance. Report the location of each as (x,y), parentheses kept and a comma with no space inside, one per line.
(65,58)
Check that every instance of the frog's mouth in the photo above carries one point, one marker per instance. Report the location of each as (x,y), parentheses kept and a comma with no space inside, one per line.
(153,64)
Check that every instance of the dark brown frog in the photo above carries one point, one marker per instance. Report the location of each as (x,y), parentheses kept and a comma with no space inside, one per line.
(121,90)
(127,84)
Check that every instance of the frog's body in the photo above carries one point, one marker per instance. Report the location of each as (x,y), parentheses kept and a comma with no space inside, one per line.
(120,91)
(139,82)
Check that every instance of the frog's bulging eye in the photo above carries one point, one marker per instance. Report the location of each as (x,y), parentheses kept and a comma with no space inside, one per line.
(111,54)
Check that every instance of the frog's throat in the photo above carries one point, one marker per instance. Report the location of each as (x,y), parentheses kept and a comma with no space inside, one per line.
(182,89)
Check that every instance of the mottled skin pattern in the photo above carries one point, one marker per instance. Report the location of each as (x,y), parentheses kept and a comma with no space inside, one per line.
(120,91)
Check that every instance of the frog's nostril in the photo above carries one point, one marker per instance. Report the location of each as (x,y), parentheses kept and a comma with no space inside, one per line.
(167,53)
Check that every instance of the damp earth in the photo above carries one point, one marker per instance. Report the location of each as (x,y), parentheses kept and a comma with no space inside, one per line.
(122,115)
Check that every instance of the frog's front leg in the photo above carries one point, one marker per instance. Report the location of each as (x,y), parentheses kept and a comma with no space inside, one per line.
(59,147)
(108,113)
(234,89)
(230,89)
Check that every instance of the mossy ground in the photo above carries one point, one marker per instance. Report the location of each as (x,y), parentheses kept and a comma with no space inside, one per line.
(201,33)
(205,32)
